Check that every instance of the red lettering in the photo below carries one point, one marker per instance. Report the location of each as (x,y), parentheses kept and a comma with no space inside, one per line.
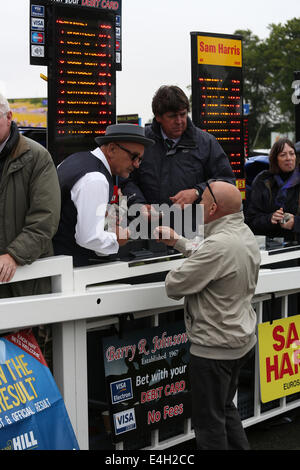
(278,337)
(153,417)
(152,394)
(109,5)
(272,368)
(279,370)
(286,366)
(172,389)
(170,411)
(292,335)
(142,346)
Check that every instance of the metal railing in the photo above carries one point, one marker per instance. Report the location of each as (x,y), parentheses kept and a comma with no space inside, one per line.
(92,297)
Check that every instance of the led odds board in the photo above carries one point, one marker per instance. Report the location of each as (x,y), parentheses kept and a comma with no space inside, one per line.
(217,94)
(80,51)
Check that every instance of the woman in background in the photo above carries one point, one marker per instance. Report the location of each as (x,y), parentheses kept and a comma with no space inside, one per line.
(273,206)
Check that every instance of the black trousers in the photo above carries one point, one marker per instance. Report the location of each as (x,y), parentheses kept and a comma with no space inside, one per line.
(216,420)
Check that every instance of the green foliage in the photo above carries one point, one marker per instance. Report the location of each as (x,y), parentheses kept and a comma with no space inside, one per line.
(269,67)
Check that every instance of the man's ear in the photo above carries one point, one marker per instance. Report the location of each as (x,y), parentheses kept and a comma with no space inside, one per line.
(213,209)
(110,149)
(158,118)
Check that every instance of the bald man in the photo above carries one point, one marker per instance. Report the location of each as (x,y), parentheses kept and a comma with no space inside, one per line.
(218,281)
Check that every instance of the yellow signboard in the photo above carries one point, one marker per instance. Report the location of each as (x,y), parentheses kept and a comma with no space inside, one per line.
(30,112)
(219,51)
(241,185)
(279,358)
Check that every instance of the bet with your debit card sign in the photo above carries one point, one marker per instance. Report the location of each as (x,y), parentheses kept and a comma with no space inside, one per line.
(279,358)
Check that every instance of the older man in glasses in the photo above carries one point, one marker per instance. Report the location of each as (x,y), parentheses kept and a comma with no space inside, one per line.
(86,180)
(29,206)
(218,281)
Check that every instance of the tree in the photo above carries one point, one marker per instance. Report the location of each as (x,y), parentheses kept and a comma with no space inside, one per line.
(283,46)
(269,67)
(255,90)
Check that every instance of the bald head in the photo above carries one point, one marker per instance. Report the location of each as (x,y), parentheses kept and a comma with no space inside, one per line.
(227,195)
(228,199)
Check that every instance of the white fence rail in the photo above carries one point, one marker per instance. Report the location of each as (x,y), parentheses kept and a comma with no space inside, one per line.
(90,297)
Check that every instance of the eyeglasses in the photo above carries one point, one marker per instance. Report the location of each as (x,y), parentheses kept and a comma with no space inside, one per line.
(135,156)
(210,190)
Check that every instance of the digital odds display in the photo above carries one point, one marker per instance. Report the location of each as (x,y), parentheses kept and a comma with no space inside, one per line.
(79,42)
(81,89)
(217,93)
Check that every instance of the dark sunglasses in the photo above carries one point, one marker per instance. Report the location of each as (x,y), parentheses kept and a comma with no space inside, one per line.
(133,155)
(210,190)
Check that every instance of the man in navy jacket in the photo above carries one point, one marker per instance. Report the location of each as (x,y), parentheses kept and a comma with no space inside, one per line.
(174,170)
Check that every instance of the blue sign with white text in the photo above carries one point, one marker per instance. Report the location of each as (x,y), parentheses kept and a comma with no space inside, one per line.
(37,10)
(121,390)
(32,411)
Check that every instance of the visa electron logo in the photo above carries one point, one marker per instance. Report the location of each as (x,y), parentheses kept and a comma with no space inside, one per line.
(24,441)
(121,390)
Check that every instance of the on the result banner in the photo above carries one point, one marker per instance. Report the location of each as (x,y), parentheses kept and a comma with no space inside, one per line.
(32,411)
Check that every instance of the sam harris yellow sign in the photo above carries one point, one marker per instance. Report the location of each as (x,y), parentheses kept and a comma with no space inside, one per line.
(219,51)
(279,358)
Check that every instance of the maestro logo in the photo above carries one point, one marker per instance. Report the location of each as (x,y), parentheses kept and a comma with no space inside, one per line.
(37,38)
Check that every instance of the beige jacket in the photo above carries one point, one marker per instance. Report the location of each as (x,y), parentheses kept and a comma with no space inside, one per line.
(218,281)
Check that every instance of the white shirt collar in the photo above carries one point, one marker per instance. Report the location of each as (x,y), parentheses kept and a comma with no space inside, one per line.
(99,154)
(166,137)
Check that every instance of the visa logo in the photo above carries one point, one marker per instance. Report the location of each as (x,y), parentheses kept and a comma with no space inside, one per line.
(37,23)
(124,421)
(126,418)
(121,386)
(24,441)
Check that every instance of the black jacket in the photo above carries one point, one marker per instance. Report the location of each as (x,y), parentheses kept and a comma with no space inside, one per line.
(197,158)
(261,206)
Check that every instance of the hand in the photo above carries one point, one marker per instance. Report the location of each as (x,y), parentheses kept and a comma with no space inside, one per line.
(186,196)
(277,216)
(123,235)
(149,212)
(8,268)
(289,225)
(122,208)
(166,235)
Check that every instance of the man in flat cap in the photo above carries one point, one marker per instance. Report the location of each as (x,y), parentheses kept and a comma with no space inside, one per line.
(86,181)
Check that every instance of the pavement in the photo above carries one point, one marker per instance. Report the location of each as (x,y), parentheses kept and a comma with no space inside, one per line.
(279,433)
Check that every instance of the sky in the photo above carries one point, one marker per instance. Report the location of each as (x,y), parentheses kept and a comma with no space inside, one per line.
(155,44)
